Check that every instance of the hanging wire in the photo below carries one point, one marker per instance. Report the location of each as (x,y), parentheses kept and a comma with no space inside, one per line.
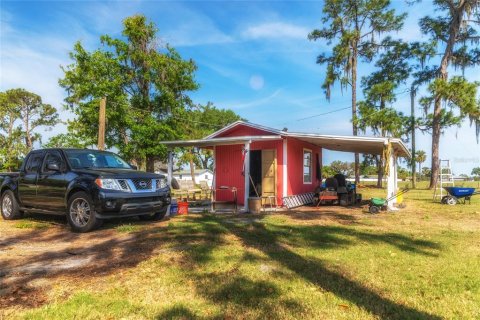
(322,114)
(341,109)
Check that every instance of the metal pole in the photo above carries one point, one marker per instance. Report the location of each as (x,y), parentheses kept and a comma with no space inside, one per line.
(247,175)
(213,192)
(285,168)
(170,167)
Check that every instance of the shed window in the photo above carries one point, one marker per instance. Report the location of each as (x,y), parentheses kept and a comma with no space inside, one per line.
(307,166)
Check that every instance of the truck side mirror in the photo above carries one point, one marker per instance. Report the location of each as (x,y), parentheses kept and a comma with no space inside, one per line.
(53,166)
(134,167)
(174,184)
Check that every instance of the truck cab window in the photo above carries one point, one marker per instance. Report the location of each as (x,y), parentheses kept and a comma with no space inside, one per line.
(53,157)
(34,162)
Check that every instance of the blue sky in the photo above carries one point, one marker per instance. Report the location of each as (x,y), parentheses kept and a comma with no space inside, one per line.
(253,57)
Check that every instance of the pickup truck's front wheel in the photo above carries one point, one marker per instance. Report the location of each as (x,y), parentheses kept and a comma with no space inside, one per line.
(81,213)
(9,206)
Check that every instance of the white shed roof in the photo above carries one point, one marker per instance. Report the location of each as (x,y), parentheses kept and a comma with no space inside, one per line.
(359,144)
(219,141)
(369,145)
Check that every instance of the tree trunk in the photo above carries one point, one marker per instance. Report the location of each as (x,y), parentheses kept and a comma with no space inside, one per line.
(455,24)
(204,159)
(192,171)
(412,105)
(28,138)
(354,110)
(382,160)
(11,124)
(380,172)
(436,132)
(150,163)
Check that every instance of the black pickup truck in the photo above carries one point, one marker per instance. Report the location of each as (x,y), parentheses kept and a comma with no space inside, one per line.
(86,185)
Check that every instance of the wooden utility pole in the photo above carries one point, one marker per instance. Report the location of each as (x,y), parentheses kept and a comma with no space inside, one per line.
(412,104)
(101,124)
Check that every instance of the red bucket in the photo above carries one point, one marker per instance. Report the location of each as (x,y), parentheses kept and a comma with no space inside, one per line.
(182,208)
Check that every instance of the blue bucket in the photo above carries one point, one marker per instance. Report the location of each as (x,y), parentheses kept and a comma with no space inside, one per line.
(173,208)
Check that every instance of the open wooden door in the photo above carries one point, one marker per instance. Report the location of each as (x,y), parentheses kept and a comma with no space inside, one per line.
(269,173)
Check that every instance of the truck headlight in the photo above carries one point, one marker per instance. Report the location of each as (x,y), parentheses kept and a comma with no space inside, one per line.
(108,184)
(161,183)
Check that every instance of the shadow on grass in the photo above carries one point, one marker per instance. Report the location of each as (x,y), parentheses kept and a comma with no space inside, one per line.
(178,311)
(230,289)
(271,241)
(197,236)
(30,255)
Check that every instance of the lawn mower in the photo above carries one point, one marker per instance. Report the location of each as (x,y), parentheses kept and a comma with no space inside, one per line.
(377,204)
(457,193)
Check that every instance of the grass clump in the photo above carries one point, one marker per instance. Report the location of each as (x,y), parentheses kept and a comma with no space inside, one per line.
(128,228)
(29,224)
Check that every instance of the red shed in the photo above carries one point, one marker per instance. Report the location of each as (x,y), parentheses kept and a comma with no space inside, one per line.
(277,163)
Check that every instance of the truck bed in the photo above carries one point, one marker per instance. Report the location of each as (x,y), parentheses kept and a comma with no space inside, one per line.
(5,175)
(9,174)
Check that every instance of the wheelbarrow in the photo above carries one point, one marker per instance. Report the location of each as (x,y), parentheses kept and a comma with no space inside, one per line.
(455,194)
(378,204)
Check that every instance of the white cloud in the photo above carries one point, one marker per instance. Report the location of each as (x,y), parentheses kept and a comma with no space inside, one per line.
(188,35)
(276,30)
(32,61)
(254,103)
(191,28)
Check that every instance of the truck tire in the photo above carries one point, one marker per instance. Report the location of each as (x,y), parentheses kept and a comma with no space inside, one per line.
(81,213)
(156,216)
(9,206)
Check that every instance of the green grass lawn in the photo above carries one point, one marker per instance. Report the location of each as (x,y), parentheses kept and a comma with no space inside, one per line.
(422,262)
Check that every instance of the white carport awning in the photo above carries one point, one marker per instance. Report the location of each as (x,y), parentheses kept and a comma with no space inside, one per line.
(368,145)
(205,143)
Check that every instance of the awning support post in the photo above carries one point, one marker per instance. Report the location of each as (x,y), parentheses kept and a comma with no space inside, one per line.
(285,168)
(247,175)
(392,182)
(170,167)
(213,193)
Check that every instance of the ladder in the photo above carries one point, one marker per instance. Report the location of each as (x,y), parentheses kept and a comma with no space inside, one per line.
(445,179)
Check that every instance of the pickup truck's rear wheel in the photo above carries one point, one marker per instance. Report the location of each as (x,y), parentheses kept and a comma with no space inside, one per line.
(155,216)
(81,213)
(9,206)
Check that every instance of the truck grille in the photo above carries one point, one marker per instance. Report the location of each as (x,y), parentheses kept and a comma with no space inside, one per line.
(123,184)
(142,184)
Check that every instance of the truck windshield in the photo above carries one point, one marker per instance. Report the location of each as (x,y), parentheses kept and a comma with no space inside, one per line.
(95,159)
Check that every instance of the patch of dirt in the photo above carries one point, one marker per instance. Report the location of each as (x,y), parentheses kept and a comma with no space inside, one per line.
(34,260)
(326,214)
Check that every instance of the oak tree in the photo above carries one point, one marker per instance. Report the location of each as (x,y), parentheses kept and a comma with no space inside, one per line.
(456,30)
(22,113)
(145,83)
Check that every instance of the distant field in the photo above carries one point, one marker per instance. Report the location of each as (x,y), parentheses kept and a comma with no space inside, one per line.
(422,262)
